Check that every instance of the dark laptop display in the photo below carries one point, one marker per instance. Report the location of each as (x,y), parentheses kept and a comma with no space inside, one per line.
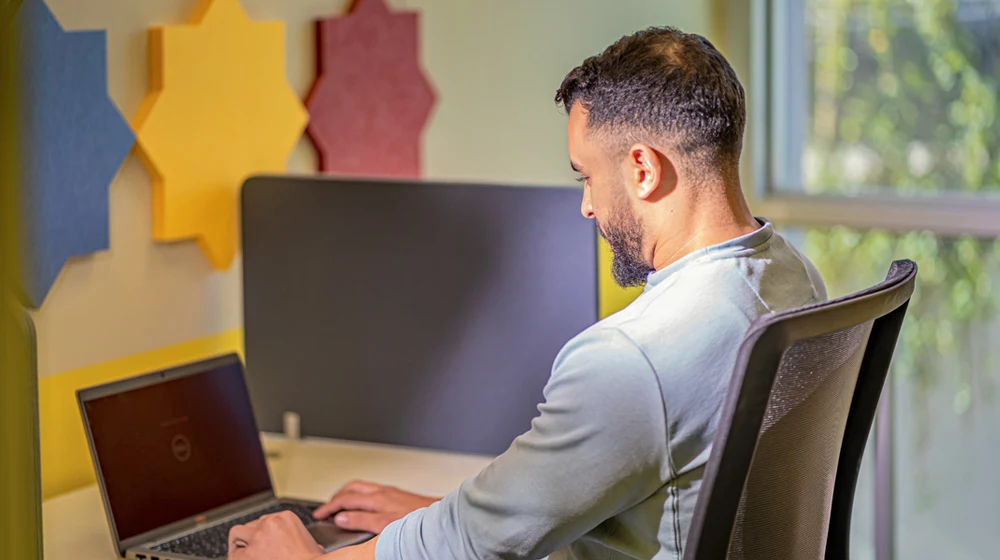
(173,450)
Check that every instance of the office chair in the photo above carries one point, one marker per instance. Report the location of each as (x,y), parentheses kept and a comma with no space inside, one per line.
(780,482)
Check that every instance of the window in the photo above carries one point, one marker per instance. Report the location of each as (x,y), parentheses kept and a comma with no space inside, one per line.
(875,134)
(945,378)
(886,97)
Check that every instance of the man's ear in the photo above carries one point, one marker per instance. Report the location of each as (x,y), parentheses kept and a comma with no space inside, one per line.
(647,168)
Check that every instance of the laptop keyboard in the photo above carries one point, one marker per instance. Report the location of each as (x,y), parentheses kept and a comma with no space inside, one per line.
(213,542)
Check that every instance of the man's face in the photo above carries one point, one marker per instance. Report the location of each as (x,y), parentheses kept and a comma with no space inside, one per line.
(606,199)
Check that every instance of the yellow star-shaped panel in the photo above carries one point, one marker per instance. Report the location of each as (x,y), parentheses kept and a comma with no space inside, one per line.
(219,109)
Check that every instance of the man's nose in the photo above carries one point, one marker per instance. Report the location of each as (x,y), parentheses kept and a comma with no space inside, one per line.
(586,208)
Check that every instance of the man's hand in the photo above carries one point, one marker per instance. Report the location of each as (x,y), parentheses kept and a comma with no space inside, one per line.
(272,537)
(363,506)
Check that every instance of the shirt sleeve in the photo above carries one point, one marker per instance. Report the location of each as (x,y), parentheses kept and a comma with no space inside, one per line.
(597,447)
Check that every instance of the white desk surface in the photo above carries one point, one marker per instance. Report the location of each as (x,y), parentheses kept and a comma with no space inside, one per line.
(75,525)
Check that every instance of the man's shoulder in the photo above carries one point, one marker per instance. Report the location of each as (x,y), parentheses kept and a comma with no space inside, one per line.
(603,358)
(603,341)
(699,297)
(712,293)
(690,319)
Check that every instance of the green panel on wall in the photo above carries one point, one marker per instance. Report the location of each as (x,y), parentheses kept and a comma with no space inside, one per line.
(20,506)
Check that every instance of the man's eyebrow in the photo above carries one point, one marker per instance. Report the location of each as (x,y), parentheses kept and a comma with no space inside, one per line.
(575,166)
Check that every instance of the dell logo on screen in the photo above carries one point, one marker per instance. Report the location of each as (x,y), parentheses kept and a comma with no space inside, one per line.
(181,448)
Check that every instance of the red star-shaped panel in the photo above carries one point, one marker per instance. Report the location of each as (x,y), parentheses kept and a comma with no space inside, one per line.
(371,100)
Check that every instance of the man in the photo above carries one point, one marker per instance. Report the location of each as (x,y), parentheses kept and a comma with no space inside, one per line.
(612,465)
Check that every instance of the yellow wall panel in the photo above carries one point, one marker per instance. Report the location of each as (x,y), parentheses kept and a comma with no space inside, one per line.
(219,109)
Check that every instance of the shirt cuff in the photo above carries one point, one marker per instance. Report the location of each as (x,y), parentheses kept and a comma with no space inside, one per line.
(387,545)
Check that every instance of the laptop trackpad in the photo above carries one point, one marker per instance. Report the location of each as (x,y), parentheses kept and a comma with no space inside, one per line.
(331,537)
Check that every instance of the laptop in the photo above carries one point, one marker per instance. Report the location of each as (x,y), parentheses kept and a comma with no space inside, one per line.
(179,461)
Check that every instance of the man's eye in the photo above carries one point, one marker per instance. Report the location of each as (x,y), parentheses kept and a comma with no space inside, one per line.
(582,179)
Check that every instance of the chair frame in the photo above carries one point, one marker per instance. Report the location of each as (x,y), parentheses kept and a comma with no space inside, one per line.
(760,354)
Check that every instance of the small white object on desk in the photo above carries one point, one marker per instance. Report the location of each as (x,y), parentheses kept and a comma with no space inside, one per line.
(290,422)
(75,525)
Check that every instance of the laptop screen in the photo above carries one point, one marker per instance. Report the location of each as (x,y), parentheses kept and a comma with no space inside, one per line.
(177,448)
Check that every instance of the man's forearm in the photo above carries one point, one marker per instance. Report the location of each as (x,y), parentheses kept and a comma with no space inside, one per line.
(363,551)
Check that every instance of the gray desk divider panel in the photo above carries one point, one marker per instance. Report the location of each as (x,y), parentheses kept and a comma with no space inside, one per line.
(411,313)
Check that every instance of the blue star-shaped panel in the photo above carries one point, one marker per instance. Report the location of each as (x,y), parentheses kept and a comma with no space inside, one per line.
(73,142)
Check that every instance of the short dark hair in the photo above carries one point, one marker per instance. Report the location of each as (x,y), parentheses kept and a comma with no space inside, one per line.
(666,83)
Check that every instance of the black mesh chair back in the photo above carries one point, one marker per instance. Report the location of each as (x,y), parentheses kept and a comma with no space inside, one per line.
(780,482)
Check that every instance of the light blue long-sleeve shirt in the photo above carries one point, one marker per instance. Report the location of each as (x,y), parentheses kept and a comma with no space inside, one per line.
(612,464)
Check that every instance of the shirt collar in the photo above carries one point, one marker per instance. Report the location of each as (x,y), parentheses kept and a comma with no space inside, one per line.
(738,246)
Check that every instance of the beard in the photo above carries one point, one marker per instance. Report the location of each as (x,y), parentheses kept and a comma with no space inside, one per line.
(624,233)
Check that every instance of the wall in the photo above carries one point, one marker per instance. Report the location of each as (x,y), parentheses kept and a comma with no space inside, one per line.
(143,305)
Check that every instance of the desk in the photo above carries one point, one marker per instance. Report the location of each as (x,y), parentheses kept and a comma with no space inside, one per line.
(75,525)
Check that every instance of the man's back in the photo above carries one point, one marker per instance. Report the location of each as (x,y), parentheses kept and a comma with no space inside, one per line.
(688,324)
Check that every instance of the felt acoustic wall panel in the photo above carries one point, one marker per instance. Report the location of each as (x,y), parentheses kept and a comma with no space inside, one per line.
(73,140)
(219,109)
(371,99)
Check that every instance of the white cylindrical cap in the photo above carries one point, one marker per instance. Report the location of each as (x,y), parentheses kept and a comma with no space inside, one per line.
(291,423)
